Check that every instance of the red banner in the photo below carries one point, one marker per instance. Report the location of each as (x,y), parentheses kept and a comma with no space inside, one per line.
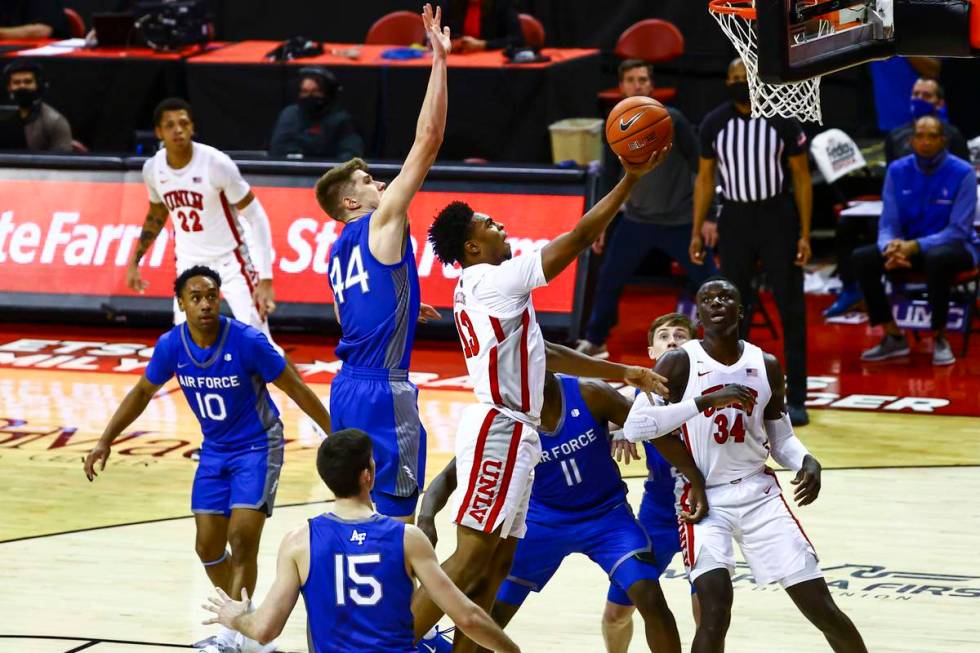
(77,237)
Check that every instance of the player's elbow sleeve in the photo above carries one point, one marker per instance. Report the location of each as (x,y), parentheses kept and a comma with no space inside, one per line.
(785,447)
(646,422)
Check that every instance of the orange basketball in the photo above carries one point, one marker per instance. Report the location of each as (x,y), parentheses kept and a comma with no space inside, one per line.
(638,127)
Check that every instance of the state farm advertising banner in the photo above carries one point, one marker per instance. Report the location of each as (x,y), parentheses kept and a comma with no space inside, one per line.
(67,236)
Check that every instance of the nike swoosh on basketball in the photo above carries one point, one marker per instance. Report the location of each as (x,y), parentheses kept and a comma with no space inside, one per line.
(626,124)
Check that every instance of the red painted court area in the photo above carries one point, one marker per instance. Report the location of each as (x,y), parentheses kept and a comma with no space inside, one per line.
(837,378)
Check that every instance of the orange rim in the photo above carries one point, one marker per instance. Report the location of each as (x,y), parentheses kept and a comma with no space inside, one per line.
(743,8)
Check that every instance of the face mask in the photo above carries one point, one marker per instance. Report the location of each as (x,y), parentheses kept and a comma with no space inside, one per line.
(919,108)
(739,92)
(25,98)
(312,104)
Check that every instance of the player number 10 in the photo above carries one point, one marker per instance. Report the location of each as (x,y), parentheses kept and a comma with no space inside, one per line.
(359,581)
(211,406)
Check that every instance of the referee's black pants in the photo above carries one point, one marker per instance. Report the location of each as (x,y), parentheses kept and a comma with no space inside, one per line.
(769,230)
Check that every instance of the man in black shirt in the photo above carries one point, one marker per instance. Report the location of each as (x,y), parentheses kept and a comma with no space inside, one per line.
(928,99)
(763,216)
(657,216)
(316,125)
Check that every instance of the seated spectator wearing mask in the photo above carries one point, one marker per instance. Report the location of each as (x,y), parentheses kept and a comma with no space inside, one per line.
(32,19)
(316,125)
(482,24)
(929,204)
(44,129)
(927,99)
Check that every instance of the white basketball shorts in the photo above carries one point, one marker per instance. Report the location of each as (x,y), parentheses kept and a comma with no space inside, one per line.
(754,513)
(495,459)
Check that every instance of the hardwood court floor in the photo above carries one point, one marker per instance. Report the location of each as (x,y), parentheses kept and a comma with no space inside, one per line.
(897,528)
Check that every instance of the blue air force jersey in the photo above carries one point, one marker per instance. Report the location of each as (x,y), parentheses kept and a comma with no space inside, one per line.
(225,383)
(659,500)
(577,476)
(377,304)
(358,593)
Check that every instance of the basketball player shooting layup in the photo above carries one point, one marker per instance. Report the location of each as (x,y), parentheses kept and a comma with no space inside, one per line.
(376,297)
(497,446)
(222,367)
(356,571)
(728,398)
(203,191)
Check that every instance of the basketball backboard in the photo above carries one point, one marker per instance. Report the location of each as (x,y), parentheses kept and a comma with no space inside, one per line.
(801,39)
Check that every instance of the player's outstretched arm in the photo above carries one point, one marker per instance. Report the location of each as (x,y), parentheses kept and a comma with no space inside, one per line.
(156,218)
(290,383)
(435,498)
(650,419)
(268,620)
(560,252)
(785,448)
(468,616)
(388,227)
(132,406)
(559,358)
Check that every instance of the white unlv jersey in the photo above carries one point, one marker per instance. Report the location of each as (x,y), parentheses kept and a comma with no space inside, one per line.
(727,444)
(201,199)
(500,335)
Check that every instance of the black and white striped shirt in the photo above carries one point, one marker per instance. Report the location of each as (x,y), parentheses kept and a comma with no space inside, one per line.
(751,152)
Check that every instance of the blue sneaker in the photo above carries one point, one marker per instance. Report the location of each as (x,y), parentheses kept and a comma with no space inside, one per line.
(849,296)
(437,641)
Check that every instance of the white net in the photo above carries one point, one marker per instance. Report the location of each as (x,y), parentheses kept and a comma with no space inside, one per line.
(794,99)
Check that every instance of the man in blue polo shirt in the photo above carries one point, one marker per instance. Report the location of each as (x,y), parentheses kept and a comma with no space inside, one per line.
(929,205)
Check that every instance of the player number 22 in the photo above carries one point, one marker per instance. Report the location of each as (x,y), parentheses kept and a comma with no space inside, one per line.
(360,581)
(190,220)
(356,276)
(737,431)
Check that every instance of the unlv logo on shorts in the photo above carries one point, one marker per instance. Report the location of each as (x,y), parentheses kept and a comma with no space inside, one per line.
(486,489)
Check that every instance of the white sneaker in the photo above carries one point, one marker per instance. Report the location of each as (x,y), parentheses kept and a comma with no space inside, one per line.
(252,646)
(217,644)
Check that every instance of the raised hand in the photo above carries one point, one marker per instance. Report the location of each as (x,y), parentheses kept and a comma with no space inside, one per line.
(646,380)
(439,38)
(640,169)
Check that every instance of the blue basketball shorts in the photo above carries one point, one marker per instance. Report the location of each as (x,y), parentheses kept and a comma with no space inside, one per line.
(613,540)
(665,539)
(240,478)
(384,404)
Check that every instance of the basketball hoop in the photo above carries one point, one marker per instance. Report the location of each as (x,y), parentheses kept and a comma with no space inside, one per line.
(793,99)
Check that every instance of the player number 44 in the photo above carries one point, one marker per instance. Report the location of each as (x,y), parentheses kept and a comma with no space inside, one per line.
(356,275)
(359,581)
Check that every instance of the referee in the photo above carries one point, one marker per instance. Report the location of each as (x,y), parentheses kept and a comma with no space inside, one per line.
(760,218)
